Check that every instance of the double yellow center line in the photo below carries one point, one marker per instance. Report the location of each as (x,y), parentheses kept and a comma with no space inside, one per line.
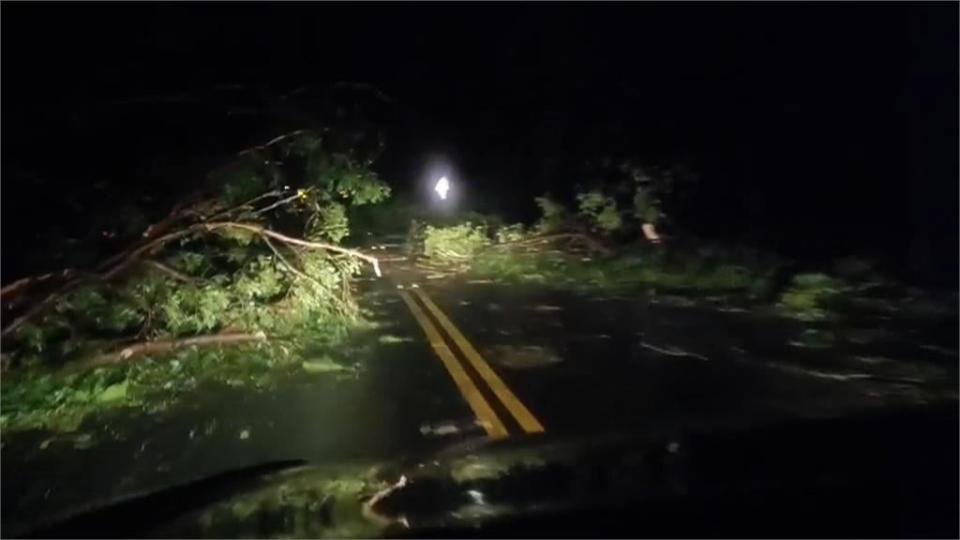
(488,418)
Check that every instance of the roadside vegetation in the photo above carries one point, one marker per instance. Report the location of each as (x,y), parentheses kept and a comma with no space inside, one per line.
(596,240)
(241,278)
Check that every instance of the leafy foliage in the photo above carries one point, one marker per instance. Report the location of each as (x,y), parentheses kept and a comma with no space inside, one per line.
(93,308)
(195,263)
(194,310)
(329,222)
(459,241)
(600,211)
(205,282)
(640,270)
(510,233)
(808,295)
(553,215)
(60,401)
(261,278)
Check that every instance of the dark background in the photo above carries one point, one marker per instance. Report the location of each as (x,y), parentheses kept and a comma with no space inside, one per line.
(819,129)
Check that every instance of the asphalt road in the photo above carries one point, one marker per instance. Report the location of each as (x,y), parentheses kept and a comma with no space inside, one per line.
(585,363)
(544,363)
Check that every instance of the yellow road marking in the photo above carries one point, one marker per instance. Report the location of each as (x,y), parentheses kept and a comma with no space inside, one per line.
(524,417)
(488,418)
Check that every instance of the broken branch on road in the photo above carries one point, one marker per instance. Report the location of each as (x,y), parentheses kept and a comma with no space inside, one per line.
(671,351)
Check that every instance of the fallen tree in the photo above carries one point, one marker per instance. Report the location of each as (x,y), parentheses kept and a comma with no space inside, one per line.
(254,251)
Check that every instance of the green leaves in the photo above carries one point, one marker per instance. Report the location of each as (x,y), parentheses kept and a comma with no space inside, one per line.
(324,364)
(98,310)
(553,215)
(457,242)
(114,392)
(329,222)
(205,281)
(195,310)
(190,263)
(599,211)
(810,294)
(510,233)
(261,279)
(60,402)
(241,237)
(35,337)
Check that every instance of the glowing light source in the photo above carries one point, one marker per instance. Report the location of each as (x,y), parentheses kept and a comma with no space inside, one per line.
(442,187)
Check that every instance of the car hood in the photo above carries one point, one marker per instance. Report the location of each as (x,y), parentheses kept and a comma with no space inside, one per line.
(868,475)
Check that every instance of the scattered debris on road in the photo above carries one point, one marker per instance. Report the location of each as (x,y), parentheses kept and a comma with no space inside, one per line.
(389,339)
(544,308)
(445,429)
(323,365)
(522,357)
(672,351)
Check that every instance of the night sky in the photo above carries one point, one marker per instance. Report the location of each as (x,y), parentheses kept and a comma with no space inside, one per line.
(821,129)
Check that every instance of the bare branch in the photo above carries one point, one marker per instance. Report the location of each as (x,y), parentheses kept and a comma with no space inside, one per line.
(341,303)
(130,257)
(39,307)
(170,271)
(296,241)
(281,202)
(287,264)
(169,345)
(30,281)
(272,142)
(179,211)
(247,204)
(368,511)
(135,255)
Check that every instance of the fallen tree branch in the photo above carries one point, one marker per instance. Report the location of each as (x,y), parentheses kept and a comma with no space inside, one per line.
(293,269)
(40,306)
(169,271)
(371,514)
(179,211)
(131,257)
(271,142)
(452,254)
(281,202)
(672,351)
(590,242)
(135,255)
(256,229)
(342,302)
(168,345)
(30,281)
(247,204)
(155,230)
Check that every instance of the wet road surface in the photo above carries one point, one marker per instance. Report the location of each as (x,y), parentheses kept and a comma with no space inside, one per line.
(577,363)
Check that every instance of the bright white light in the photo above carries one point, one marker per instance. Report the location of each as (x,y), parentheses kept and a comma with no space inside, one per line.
(442,187)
